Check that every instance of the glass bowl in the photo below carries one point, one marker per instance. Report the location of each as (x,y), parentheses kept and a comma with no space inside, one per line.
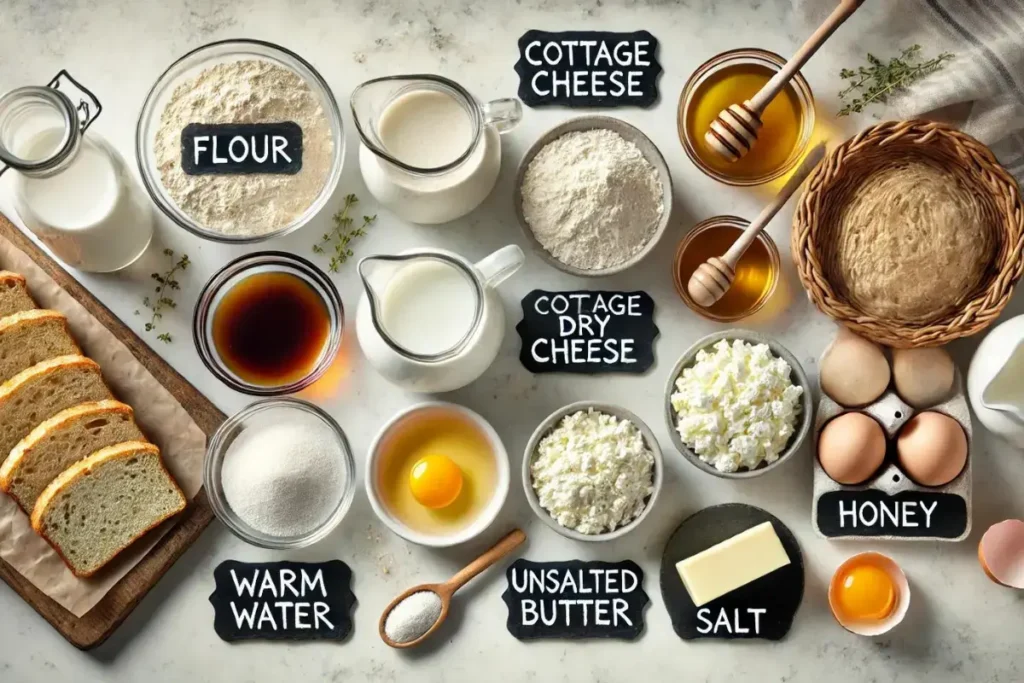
(261,412)
(236,271)
(190,65)
(681,281)
(732,58)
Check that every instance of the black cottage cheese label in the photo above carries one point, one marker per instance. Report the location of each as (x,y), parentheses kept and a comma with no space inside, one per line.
(282,600)
(241,148)
(587,332)
(588,68)
(575,599)
(876,513)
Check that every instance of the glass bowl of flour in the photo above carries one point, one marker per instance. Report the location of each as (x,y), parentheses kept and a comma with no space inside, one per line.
(243,83)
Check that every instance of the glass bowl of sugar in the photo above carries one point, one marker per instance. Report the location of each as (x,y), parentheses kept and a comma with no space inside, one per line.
(280,474)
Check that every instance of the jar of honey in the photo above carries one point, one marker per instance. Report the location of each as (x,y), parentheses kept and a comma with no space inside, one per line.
(756,273)
(734,77)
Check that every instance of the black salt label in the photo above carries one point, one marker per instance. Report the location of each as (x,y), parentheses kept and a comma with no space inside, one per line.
(575,599)
(587,332)
(282,600)
(908,513)
(588,68)
(241,148)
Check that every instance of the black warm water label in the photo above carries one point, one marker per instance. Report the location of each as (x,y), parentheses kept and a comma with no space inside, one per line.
(575,599)
(282,600)
(587,332)
(876,513)
(241,148)
(588,68)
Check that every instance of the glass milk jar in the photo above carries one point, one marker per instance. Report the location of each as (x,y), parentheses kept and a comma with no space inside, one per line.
(430,152)
(71,189)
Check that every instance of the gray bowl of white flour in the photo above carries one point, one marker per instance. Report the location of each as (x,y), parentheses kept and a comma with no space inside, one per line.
(593,196)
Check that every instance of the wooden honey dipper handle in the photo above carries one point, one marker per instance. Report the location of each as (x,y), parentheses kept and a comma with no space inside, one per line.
(772,88)
(712,279)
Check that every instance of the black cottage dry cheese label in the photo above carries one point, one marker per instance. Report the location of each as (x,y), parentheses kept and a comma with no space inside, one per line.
(876,513)
(241,148)
(588,68)
(587,332)
(575,599)
(282,600)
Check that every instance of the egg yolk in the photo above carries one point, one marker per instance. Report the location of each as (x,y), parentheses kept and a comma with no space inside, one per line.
(435,481)
(867,593)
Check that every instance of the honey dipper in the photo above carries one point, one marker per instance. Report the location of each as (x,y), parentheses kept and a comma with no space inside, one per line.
(735,130)
(712,279)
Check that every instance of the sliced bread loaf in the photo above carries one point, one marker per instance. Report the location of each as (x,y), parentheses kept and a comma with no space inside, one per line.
(102,504)
(60,442)
(30,337)
(42,391)
(14,294)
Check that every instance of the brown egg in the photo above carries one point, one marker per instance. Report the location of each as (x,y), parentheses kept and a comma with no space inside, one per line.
(854,371)
(851,448)
(923,377)
(932,449)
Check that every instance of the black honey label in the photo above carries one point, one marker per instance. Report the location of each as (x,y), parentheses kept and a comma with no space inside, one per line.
(876,513)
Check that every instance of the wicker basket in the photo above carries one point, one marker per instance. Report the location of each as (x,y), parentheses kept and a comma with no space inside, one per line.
(864,154)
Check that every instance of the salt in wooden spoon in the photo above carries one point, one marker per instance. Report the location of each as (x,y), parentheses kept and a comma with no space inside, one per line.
(712,279)
(446,590)
(735,130)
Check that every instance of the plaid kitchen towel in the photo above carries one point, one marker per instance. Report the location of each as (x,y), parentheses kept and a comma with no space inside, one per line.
(981,89)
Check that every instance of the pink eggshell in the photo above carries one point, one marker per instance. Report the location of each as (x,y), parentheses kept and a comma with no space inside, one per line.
(1001,552)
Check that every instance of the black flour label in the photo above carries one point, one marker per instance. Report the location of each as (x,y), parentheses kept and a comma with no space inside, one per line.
(241,148)
(587,332)
(282,600)
(575,599)
(908,513)
(588,68)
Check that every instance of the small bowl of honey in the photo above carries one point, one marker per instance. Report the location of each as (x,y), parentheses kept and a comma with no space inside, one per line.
(757,272)
(268,324)
(733,77)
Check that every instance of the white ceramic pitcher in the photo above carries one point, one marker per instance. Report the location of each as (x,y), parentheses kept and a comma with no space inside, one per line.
(995,381)
(447,369)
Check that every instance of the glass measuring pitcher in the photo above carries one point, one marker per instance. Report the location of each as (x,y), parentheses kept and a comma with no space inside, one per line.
(429,320)
(430,151)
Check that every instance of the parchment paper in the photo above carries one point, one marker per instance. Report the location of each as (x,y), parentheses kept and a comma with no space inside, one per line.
(157,413)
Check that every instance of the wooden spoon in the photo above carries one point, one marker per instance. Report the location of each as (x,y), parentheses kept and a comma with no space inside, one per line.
(735,130)
(712,279)
(446,590)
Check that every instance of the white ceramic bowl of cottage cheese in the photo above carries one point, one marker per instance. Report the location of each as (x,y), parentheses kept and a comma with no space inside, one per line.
(566,503)
(775,382)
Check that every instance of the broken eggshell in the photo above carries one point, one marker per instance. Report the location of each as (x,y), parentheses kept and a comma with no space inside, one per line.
(1001,553)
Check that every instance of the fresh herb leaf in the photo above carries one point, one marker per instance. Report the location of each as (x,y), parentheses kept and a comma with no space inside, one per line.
(166,283)
(878,81)
(339,237)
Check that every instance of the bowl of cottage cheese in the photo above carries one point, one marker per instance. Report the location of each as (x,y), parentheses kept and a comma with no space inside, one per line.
(738,404)
(592,471)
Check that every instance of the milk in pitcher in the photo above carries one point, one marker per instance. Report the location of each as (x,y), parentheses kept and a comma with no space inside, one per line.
(429,307)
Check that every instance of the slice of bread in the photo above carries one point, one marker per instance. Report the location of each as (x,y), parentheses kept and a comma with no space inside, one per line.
(14,294)
(60,442)
(102,504)
(42,391)
(30,337)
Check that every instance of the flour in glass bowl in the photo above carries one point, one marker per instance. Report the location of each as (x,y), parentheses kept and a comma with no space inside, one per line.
(245,91)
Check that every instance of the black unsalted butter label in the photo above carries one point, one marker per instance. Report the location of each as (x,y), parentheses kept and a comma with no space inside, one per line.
(282,600)
(575,599)
(876,513)
(241,148)
(587,332)
(588,68)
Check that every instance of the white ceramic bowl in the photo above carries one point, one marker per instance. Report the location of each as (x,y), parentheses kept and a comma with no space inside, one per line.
(548,425)
(480,523)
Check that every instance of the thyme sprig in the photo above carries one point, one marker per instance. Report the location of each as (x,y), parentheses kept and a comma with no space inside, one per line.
(878,81)
(339,238)
(166,285)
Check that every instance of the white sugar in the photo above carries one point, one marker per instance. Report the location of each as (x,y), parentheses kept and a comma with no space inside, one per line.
(413,617)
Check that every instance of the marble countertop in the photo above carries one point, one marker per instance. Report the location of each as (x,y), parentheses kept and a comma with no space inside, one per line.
(960,627)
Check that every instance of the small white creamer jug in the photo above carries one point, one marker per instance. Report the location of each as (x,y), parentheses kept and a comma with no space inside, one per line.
(995,381)
(431,321)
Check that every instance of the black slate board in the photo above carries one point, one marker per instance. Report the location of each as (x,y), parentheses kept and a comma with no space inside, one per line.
(534,611)
(236,148)
(871,512)
(778,593)
(247,608)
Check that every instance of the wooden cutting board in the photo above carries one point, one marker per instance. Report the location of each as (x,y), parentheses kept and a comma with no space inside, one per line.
(98,623)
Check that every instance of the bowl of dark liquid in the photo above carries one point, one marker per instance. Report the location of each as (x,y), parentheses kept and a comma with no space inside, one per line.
(268,324)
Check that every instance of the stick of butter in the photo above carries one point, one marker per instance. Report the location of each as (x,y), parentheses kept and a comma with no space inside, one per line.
(733,563)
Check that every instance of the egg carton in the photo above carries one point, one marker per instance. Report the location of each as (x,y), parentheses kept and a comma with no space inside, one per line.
(890,505)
